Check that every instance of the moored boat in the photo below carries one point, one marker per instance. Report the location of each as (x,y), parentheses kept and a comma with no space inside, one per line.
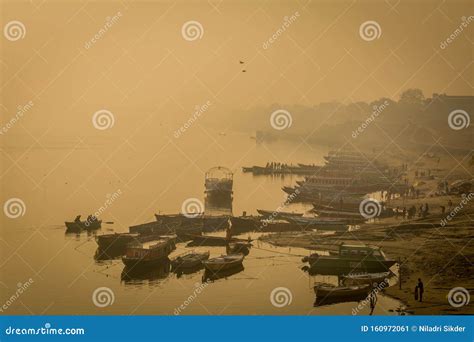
(190,260)
(324,292)
(115,241)
(349,259)
(148,252)
(319,223)
(224,262)
(77,226)
(367,278)
(277,214)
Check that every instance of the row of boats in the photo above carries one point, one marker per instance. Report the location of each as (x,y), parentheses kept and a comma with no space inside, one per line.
(345,179)
(141,253)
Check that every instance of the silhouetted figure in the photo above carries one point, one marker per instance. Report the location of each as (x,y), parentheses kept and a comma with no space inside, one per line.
(373,302)
(421,289)
(78,218)
(443,209)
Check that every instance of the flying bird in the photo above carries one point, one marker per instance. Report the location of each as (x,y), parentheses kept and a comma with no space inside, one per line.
(244,70)
(241,62)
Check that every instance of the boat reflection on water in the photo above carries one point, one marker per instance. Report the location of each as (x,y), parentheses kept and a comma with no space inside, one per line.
(212,276)
(78,233)
(218,204)
(137,275)
(180,271)
(107,254)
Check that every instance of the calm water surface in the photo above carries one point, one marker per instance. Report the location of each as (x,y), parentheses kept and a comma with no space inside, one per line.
(64,178)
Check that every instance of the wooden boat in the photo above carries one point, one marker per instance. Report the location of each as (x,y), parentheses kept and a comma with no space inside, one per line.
(367,278)
(224,262)
(277,214)
(115,241)
(149,251)
(284,169)
(341,292)
(208,240)
(207,222)
(335,205)
(319,223)
(302,194)
(352,214)
(151,228)
(190,260)
(350,259)
(77,226)
(339,214)
(212,275)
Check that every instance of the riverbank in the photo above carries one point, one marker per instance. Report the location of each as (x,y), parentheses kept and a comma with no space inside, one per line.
(441,256)
(440,253)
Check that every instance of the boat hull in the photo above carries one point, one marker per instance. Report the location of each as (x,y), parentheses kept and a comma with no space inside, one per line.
(337,293)
(80,226)
(115,242)
(336,265)
(137,263)
(215,266)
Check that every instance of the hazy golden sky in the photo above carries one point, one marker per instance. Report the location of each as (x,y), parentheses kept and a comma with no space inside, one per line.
(143,66)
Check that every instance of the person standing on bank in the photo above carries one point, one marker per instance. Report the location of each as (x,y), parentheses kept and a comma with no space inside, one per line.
(420,290)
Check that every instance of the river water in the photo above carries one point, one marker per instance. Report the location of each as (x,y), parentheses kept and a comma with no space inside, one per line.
(60,178)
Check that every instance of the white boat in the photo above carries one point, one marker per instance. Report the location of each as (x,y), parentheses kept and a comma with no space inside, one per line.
(224,262)
(367,278)
(341,292)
